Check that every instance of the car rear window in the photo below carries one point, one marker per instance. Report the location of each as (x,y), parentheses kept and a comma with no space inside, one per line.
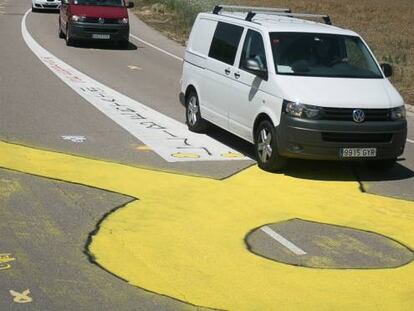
(225,42)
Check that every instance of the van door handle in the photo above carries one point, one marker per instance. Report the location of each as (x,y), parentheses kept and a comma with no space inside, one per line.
(237,75)
(227,71)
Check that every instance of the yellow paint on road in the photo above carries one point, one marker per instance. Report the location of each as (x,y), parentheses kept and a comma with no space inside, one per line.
(143,148)
(4,261)
(185,155)
(8,187)
(185,236)
(232,155)
(22,297)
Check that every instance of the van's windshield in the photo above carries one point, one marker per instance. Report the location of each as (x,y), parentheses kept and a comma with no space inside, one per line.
(99,2)
(322,55)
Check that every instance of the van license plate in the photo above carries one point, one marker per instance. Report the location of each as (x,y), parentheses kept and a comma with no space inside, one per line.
(100,36)
(358,152)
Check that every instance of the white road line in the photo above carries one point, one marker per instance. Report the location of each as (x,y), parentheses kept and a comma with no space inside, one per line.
(286,243)
(410,141)
(167,137)
(156,48)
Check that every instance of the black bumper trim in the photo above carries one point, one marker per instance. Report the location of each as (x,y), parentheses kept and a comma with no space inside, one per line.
(299,138)
(86,30)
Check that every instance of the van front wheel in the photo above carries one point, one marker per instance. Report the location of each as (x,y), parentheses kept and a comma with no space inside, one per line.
(61,34)
(69,40)
(266,148)
(194,120)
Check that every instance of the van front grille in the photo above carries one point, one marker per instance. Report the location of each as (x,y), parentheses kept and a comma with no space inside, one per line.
(101,30)
(345,114)
(357,137)
(95,20)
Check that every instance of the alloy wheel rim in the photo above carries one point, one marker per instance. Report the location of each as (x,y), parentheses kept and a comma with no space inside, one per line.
(264,146)
(192,110)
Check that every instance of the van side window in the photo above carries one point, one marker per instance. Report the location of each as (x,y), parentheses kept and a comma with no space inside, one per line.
(225,42)
(254,49)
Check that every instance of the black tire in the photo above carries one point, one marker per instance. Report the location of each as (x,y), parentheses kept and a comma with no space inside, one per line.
(34,10)
(381,165)
(195,122)
(61,34)
(69,40)
(266,149)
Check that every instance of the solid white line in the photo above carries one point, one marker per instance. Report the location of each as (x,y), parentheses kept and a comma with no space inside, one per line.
(410,141)
(286,243)
(156,48)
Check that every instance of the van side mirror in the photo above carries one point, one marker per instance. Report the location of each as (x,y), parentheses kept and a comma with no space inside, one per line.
(253,66)
(130,5)
(387,70)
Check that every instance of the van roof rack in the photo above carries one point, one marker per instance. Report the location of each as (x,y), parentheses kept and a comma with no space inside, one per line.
(253,10)
(326,18)
(240,8)
(249,9)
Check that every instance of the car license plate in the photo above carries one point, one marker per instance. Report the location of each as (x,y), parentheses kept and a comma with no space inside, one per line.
(100,36)
(358,152)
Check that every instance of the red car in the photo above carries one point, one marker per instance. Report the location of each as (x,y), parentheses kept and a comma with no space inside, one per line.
(95,20)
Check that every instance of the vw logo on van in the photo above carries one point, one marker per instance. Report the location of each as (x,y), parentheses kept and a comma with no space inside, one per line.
(101,20)
(358,115)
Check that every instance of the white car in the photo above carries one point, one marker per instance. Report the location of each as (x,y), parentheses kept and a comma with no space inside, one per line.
(38,5)
(294,88)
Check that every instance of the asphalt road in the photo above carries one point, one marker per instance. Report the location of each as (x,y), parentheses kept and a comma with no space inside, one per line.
(45,223)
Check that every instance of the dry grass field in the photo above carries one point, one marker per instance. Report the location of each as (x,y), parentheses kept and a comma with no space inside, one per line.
(387,26)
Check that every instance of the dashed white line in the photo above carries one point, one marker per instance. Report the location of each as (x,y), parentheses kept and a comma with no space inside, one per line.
(156,48)
(286,243)
(410,141)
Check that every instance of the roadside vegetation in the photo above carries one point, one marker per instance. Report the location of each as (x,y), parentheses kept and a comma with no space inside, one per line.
(387,26)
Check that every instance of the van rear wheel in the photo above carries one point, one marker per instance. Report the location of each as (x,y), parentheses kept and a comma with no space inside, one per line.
(195,122)
(266,149)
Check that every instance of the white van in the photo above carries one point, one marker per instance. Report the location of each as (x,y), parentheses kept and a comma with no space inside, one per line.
(294,88)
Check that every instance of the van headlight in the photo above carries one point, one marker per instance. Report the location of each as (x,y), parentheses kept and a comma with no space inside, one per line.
(123,20)
(303,111)
(77,18)
(398,113)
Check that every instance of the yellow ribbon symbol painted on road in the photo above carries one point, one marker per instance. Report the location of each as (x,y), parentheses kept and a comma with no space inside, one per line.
(21,297)
(4,261)
(184,237)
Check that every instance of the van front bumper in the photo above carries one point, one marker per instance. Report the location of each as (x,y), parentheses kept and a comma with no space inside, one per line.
(323,140)
(89,31)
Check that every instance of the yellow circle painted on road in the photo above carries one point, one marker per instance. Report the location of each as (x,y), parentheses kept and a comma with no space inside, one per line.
(184,238)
